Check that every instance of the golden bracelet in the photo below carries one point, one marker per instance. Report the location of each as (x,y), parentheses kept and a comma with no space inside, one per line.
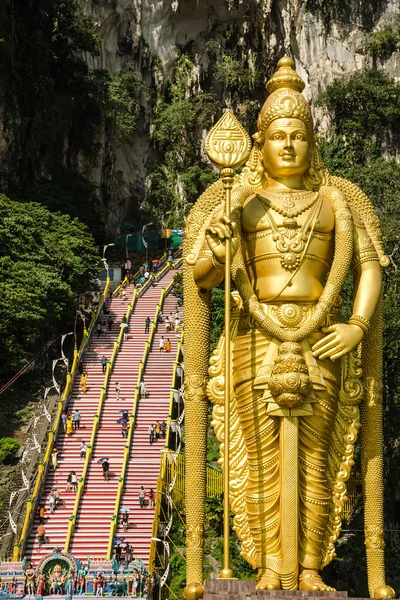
(362,323)
(216,263)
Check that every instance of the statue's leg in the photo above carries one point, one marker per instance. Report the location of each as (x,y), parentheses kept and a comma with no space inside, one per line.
(261,436)
(315,491)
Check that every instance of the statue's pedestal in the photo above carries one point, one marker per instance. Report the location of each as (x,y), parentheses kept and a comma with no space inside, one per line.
(235,589)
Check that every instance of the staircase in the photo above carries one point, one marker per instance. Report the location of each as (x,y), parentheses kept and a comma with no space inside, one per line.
(144,464)
(97,505)
(56,524)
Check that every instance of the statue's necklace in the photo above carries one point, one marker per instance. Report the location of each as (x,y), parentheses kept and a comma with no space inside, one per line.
(290,239)
(289,209)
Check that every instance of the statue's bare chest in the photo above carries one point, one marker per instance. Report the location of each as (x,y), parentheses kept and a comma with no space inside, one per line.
(285,232)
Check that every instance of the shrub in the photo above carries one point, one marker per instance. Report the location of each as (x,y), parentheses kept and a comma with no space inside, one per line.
(8,450)
(384,42)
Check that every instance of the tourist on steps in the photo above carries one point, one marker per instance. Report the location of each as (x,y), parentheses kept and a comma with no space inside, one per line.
(167,345)
(161,344)
(158,430)
(118,551)
(143,389)
(147,325)
(70,426)
(74,481)
(84,381)
(77,419)
(142,496)
(64,418)
(152,433)
(106,468)
(128,553)
(41,533)
(124,429)
(152,498)
(103,361)
(42,513)
(125,521)
(164,429)
(52,503)
(54,454)
(83,450)
(117,389)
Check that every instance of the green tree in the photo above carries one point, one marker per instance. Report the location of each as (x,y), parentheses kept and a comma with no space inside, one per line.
(123,101)
(365,112)
(8,450)
(44,257)
(44,79)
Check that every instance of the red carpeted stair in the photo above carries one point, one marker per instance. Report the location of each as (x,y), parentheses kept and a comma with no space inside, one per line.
(69,447)
(97,505)
(144,464)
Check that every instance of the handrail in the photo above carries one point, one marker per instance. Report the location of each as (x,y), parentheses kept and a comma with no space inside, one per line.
(172,393)
(62,403)
(127,449)
(163,465)
(96,421)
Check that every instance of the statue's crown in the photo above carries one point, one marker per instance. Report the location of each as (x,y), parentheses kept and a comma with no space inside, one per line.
(285,77)
(285,99)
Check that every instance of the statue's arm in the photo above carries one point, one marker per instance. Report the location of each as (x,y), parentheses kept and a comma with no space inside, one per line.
(206,274)
(209,270)
(341,338)
(367,273)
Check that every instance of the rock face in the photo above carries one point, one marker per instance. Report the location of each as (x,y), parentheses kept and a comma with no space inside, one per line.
(326,39)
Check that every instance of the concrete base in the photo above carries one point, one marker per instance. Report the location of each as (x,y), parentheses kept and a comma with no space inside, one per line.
(231,589)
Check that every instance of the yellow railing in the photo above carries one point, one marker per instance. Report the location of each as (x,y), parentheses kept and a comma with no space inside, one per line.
(43,466)
(142,364)
(161,479)
(96,421)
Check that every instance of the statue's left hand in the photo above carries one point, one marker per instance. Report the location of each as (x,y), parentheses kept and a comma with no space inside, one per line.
(341,339)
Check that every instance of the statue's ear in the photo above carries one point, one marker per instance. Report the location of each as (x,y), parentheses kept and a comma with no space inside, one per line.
(254,173)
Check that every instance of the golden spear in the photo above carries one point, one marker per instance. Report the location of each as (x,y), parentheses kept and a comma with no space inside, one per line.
(228,146)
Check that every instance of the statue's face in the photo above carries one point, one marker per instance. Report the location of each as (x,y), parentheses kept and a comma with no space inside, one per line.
(286,148)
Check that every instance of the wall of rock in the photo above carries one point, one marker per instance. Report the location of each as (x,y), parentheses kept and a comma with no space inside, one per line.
(325,37)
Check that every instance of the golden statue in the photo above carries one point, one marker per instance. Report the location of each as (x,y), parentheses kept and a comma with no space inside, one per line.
(303,381)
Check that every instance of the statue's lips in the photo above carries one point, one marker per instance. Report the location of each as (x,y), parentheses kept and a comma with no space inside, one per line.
(288,158)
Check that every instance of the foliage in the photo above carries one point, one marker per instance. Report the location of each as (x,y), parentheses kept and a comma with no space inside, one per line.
(44,80)
(213,453)
(8,449)
(177,284)
(178,570)
(43,258)
(68,193)
(365,109)
(235,74)
(383,42)
(217,318)
(123,101)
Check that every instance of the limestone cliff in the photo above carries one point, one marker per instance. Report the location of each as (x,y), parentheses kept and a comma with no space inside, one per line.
(325,37)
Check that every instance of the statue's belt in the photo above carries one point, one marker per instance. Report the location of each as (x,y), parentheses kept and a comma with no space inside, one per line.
(289,374)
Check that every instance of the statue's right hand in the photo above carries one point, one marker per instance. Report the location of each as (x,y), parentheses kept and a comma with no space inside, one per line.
(220,230)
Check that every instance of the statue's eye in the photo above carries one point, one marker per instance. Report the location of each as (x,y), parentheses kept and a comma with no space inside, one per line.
(300,136)
(276,136)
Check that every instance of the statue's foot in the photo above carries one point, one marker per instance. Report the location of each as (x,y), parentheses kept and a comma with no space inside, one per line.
(268,580)
(311,581)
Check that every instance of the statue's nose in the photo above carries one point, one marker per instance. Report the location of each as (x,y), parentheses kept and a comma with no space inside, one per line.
(288,141)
